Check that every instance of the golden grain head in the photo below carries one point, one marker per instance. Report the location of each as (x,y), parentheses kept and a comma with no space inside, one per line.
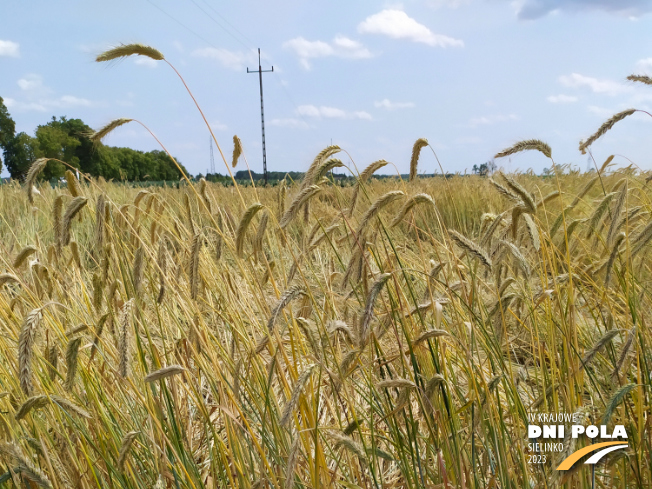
(416,151)
(641,79)
(125,50)
(34,170)
(108,128)
(526,145)
(237,151)
(606,126)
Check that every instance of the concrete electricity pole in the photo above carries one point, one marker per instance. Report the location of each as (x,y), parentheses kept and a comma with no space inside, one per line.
(260,72)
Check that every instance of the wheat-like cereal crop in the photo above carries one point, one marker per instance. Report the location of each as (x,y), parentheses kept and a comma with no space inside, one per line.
(398,337)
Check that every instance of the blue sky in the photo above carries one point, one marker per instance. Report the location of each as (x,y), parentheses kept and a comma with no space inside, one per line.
(471,76)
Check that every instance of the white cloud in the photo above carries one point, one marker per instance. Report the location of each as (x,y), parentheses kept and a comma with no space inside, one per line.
(644,64)
(145,61)
(9,48)
(331,113)
(72,101)
(341,47)
(309,111)
(561,99)
(309,49)
(25,106)
(328,112)
(534,9)
(361,114)
(38,97)
(30,82)
(607,87)
(389,105)
(42,105)
(491,119)
(605,113)
(233,60)
(398,25)
(348,48)
(289,122)
(601,111)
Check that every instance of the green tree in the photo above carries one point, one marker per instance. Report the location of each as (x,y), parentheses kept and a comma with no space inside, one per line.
(55,142)
(7,128)
(485,169)
(19,153)
(68,140)
(83,154)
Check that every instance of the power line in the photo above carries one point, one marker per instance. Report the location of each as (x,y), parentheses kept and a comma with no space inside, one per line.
(182,24)
(289,96)
(251,43)
(285,90)
(223,28)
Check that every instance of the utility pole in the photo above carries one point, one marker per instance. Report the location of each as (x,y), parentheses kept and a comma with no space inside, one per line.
(260,72)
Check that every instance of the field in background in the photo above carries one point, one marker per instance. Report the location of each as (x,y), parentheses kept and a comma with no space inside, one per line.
(320,336)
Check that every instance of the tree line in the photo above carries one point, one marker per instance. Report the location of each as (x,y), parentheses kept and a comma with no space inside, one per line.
(69,140)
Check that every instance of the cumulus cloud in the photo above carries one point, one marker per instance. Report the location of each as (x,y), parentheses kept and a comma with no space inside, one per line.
(9,48)
(331,113)
(489,120)
(42,105)
(348,48)
(71,101)
(534,9)
(288,122)
(398,25)
(601,111)
(14,104)
(389,105)
(36,96)
(30,82)
(232,60)
(561,99)
(341,47)
(605,113)
(606,87)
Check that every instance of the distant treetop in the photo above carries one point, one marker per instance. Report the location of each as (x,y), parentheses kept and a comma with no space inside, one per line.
(69,140)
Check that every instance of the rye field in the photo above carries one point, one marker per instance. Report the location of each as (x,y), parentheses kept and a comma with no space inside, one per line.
(386,334)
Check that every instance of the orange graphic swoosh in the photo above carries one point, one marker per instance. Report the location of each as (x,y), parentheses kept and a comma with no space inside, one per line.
(574,457)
